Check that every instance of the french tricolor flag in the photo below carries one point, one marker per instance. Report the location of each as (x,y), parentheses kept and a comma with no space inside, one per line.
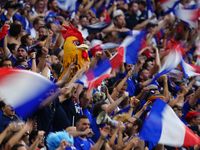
(173,59)
(189,15)
(93,77)
(22,89)
(190,70)
(150,11)
(131,46)
(163,126)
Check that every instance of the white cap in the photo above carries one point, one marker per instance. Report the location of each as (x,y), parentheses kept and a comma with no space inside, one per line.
(117,13)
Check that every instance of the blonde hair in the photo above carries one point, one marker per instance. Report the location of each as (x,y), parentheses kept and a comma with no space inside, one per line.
(122,117)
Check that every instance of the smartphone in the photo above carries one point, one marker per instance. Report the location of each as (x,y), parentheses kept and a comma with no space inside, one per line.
(76,59)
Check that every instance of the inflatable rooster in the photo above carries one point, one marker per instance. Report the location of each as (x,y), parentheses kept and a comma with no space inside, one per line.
(74,49)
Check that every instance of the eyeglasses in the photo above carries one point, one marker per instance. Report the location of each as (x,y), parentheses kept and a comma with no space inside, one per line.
(130,122)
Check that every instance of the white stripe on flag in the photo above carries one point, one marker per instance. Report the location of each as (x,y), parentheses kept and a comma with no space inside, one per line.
(172,128)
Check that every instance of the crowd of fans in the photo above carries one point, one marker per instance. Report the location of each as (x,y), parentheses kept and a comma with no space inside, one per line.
(34,42)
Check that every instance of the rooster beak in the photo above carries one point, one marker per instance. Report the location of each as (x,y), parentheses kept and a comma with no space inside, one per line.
(82,47)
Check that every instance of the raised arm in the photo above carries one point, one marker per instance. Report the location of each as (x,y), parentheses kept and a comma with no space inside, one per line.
(114,105)
(120,85)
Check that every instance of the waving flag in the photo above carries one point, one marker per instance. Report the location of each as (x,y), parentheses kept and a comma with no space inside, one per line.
(97,45)
(100,25)
(190,70)
(173,59)
(169,5)
(93,77)
(164,126)
(67,5)
(22,89)
(131,46)
(190,16)
(150,12)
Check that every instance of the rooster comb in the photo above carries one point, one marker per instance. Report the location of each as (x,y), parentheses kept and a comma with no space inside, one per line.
(72,31)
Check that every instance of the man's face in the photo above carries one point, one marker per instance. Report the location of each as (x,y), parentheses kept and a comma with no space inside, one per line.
(123,89)
(162,52)
(29,40)
(145,75)
(7,64)
(189,96)
(54,28)
(40,6)
(150,64)
(134,8)
(128,67)
(54,59)
(40,24)
(42,32)
(8,111)
(55,6)
(84,124)
(93,21)
(21,54)
(76,19)
(90,103)
(178,111)
(83,21)
(120,21)
(129,125)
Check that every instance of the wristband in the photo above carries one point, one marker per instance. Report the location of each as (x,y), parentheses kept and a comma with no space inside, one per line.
(32,58)
(44,56)
(103,138)
(132,106)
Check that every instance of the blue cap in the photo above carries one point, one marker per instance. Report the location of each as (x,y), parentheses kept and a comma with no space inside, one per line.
(24,47)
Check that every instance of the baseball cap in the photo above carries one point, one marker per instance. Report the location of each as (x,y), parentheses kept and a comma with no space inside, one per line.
(24,47)
(117,13)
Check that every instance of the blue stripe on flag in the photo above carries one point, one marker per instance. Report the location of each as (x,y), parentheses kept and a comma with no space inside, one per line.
(133,48)
(104,66)
(152,128)
(184,71)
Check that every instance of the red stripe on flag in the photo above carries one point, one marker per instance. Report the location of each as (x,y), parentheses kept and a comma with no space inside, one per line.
(116,61)
(190,138)
(98,81)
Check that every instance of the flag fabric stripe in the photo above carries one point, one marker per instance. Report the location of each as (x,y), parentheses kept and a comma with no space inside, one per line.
(26,88)
(102,69)
(163,126)
(153,123)
(173,59)
(190,16)
(175,129)
(132,45)
(150,11)
(189,70)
